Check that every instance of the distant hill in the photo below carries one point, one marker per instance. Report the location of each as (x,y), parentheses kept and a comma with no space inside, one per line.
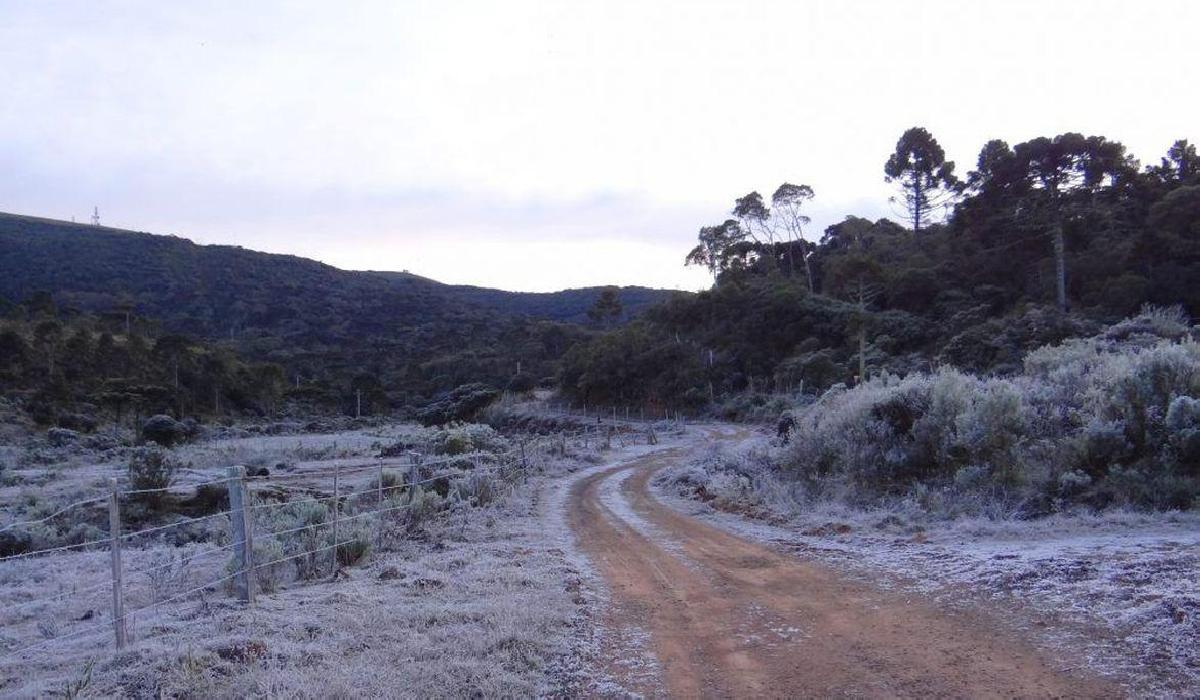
(412,333)
(568,305)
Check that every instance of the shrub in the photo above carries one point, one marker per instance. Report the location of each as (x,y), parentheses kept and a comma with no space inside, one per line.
(164,430)
(150,469)
(1099,421)
(268,574)
(353,550)
(61,437)
(461,404)
(478,489)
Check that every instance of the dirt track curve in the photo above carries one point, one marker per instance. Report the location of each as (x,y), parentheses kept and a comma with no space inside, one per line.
(730,618)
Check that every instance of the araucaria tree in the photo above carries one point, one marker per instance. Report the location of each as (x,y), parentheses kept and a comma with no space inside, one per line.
(1052,182)
(925,178)
(607,309)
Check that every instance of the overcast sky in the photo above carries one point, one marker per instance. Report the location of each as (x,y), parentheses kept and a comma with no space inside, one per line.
(543,145)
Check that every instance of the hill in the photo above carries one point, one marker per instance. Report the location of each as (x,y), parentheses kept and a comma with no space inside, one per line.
(399,334)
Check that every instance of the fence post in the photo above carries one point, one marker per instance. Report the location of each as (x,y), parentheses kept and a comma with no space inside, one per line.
(379,496)
(379,507)
(412,479)
(243,538)
(336,511)
(118,590)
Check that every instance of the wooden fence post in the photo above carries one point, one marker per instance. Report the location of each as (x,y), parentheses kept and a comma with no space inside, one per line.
(379,506)
(413,479)
(336,513)
(118,590)
(243,535)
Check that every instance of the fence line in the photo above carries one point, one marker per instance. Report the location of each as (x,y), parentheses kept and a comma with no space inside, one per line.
(53,515)
(514,462)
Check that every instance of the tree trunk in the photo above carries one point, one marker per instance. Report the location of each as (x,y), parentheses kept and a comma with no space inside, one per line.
(917,204)
(1060,269)
(862,332)
(862,352)
(808,273)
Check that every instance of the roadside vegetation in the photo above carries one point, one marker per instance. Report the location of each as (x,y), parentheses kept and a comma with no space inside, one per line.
(1108,421)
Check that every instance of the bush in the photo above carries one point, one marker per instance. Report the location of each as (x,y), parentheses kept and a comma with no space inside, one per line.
(461,404)
(150,469)
(354,549)
(478,489)
(1099,421)
(61,437)
(164,430)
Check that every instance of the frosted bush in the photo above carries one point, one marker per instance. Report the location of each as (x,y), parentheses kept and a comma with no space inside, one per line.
(1116,408)
(472,437)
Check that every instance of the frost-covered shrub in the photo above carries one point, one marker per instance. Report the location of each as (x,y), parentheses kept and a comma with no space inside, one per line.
(1183,424)
(478,489)
(463,439)
(354,546)
(461,404)
(1099,446)
(163,430)
(151,469)
(1097,421)
(1152,323)
(268,567)
(423,506)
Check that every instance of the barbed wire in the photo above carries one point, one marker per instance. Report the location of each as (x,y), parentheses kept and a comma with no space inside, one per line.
(179,523)
(496,462)
(51,550)
(61,596)
(164,489)
(53,515)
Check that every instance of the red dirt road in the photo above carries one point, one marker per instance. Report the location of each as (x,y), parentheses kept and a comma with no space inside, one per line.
(727,617)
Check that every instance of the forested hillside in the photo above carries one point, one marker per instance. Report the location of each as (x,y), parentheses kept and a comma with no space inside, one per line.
(395,337)
(1041,241)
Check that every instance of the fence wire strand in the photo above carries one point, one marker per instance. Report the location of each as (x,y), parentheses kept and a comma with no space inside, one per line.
(497,462)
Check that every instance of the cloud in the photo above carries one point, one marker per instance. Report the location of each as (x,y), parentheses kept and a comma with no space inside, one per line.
(465,133)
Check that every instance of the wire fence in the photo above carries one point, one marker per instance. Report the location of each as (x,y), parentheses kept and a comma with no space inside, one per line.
(106,592)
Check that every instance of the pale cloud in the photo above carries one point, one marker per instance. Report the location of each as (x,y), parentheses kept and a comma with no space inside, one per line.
(534,145)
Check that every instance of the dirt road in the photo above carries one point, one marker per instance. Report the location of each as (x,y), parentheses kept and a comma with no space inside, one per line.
(726,617)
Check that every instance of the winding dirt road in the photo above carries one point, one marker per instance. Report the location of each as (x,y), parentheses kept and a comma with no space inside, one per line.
(725,617)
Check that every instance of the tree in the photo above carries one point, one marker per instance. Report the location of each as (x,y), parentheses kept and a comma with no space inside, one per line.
(754,217)
(607,309)
(48,336)
(712,250)
(925,178)
(1043,187)
(786,205)
(1181,166)
(855,275)
(173,348)
(1061,175)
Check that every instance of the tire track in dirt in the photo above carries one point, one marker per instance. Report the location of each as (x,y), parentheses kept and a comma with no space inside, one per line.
(732,618)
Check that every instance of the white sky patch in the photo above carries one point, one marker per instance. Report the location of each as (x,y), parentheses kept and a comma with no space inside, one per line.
(177,118)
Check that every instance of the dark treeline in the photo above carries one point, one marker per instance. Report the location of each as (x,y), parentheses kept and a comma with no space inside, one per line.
(81,371)
(335,340)
(1040,241)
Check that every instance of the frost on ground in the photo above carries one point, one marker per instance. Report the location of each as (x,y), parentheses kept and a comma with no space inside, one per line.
(479,601)
(479,608)
(1117,590)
